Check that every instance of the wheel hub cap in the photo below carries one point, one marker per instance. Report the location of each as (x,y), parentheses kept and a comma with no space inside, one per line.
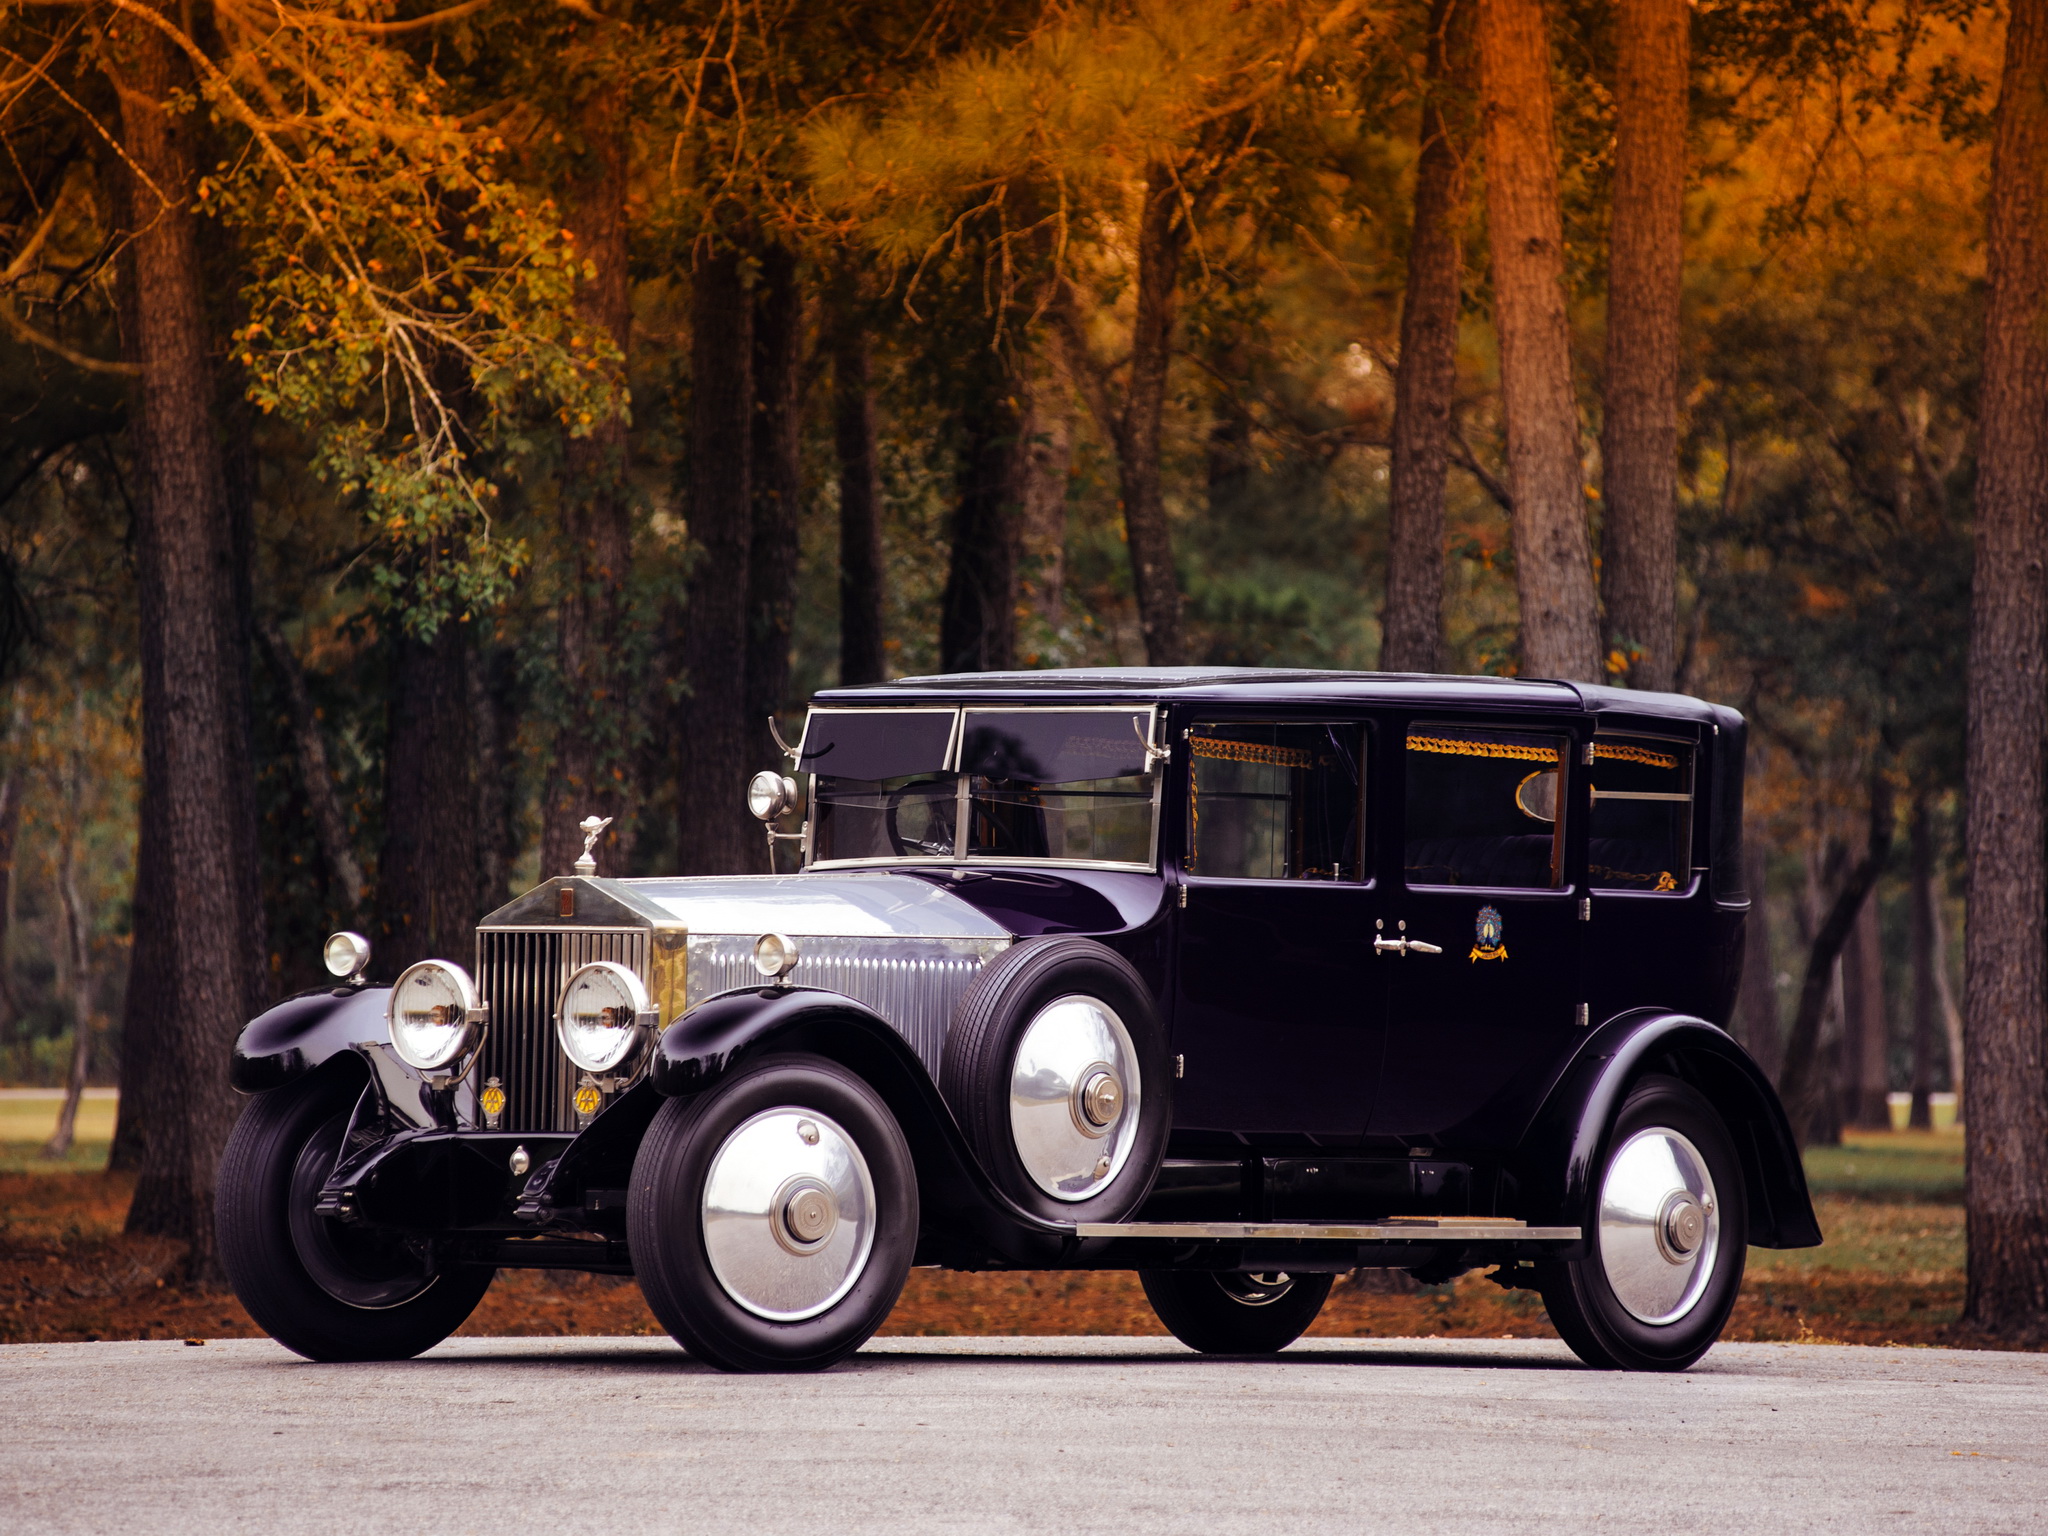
(789,1214)
(1660,1225)
(1074,1097)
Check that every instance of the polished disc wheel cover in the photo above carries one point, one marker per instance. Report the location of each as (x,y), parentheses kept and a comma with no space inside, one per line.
(1074,1097)
(789,1214)
(1660,1225)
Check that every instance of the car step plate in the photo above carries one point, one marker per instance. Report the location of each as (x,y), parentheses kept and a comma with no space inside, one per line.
(1401,1229)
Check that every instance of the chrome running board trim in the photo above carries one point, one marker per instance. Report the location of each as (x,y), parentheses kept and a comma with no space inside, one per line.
(1412,1229)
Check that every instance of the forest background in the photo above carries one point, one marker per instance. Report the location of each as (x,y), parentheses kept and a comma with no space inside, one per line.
(427,425)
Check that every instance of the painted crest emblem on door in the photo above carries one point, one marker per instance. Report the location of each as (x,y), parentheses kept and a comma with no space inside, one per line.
(1486,935)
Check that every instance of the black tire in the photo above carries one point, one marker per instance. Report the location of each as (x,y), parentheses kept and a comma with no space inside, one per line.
(665,1218)
(981,1050)
(1230,1314)
(325,1289)
(1580,1295)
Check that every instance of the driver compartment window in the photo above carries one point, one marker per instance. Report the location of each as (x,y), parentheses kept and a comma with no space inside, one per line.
(1275,800)
(1485,807)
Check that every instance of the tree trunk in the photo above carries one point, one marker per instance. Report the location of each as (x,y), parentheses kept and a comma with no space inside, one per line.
(10,832)
(1560,621)
(1921,945)
(77,956)
(586,773)
(1162,236)
(316,778)
(1411,628)
(1802,1086)
(776,482)
(1951,1015)
(2005,989)
(715,836)
(977,616)
(1866,1056)
(1042,524)
(1639,405)
(1756,1009)
(860,507)
(426,877)
(500,839)
(198,983)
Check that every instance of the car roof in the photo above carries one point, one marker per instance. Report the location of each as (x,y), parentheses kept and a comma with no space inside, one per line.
(1273,685)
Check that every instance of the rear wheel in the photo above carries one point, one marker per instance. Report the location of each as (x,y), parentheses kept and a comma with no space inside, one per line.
(1669,1240)
(773,1219)
(326,1289)
(1222,1313)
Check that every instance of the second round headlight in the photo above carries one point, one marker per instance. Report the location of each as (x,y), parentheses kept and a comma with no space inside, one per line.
(599,1019)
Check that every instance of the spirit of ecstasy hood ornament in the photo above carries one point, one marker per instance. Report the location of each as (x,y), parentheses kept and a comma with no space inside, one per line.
(593,828)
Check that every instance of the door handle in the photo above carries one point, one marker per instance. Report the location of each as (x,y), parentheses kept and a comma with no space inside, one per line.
(1405,947)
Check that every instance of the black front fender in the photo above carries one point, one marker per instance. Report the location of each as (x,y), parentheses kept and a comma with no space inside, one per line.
(1558,1160)
(969,1222)
(291,1039)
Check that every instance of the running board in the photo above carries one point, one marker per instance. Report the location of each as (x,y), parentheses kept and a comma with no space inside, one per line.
(1411,1229)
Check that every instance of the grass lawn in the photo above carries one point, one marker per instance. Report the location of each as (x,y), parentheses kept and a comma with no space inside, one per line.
(1890,1271)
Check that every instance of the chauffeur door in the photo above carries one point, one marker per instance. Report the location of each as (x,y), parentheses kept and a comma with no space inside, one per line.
(1481,942)
(1276,1015)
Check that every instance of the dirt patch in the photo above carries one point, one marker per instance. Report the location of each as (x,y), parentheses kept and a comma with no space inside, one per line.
(68,1273)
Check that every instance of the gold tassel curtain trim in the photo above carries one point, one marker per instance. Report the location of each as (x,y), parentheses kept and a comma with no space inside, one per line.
(1250,752)
(1452,746)
(1617,752)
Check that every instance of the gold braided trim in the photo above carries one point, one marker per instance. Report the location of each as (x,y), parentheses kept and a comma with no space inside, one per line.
(1451,746)
(1643,755)
(1250,752)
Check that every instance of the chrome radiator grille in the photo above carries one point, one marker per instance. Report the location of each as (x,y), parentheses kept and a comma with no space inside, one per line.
(913,983)
(520,972)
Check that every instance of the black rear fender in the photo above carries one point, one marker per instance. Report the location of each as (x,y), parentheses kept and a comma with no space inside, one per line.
(969,1221)
(1558,1160)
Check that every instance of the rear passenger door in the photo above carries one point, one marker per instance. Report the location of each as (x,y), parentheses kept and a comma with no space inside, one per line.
(1480,940)
(1276,1014)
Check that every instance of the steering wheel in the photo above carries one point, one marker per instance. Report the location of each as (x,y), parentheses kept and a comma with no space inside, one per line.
(937,814)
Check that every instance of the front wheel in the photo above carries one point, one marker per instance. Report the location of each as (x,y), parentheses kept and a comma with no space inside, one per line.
(773,1219)
(325,1289)
(1220,1313)
(1669,1240)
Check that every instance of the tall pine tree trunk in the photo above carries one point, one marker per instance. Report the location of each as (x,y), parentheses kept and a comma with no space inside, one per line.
(860,505)
(1639,406)
(776,484)
(1756,1011)
(196,978)
(2005,1001)
(1560,621)
(427,888)
(715,836)
(1162,236)
(1866,1035)
(585,775)
(1921,949)
(1412,626)
(977,619)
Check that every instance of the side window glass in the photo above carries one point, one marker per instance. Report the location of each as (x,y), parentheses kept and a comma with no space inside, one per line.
(1484,807)
(1642,815)
(1275,801)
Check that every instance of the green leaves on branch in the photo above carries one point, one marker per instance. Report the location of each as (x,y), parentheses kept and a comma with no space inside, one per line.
(413,307)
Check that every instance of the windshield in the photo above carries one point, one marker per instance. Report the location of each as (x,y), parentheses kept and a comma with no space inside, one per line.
(1062,786)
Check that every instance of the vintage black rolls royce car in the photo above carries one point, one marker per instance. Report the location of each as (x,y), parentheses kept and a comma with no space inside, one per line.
(1240,979)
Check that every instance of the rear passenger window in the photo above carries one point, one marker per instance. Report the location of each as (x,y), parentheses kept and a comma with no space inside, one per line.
(1642,815)
(1274,801)
(1484,807)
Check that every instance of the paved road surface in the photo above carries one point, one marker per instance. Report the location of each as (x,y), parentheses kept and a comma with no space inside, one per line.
(1065,1435)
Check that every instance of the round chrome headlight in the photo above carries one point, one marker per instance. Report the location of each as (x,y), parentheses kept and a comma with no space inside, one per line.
(769,794)
(345,954)
(431,1014)
(599,1019)
(775,954)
